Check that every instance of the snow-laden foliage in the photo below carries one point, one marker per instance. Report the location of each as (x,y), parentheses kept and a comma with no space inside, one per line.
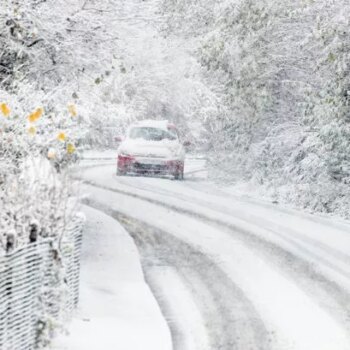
(34,190)
(280,71)
(53,57)
(106,57)
(41,125)
(61,49)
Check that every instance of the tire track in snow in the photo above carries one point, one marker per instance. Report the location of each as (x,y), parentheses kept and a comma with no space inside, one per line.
(334,262)
(328,294)
(230,320)
(298,321)
(337,261)
(303,244)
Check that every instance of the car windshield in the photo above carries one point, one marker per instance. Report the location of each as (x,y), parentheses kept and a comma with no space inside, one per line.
(152,134)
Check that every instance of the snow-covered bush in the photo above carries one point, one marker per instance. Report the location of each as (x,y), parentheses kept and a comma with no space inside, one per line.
(36,194)
(54,55)
(34,189)
(43,120)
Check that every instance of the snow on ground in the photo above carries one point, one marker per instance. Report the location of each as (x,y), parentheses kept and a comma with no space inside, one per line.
(117,309)
(288,264)
(297,321)
(184,311)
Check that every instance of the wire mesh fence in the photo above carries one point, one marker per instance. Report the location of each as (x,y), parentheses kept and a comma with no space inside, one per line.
(31,284)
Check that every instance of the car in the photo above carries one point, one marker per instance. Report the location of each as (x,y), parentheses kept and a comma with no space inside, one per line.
(151,147)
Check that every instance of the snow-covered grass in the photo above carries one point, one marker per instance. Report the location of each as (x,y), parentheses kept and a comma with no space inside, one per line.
(117,309)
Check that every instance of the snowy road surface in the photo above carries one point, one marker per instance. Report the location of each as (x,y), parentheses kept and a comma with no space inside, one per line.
(231,272)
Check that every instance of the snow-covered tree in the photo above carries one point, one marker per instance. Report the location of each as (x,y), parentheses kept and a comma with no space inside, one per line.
(279,71)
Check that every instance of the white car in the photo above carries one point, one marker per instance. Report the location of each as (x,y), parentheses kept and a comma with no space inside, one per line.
(151,147)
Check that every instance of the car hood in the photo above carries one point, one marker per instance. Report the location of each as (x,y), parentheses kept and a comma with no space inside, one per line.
(142,148)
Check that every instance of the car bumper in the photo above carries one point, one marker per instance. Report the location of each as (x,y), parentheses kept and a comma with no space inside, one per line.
(149,165)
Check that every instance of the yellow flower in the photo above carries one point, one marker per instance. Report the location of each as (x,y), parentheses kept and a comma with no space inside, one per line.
(61,137)
(33,117)
(32,130)
(5,110)
(72,110)
(70,148)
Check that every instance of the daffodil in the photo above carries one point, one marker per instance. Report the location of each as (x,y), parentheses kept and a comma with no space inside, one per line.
(5,110)
(61,137)
(33,117)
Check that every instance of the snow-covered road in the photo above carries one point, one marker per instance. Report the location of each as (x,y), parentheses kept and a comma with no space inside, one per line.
(230,272)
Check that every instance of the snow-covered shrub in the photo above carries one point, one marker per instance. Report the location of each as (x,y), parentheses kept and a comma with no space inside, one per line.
(36,194)
(42,123)
(34,189)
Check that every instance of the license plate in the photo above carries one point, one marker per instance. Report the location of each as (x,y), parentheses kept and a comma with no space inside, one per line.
(149,161)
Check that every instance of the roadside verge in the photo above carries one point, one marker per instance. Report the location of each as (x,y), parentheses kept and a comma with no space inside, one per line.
(117,309)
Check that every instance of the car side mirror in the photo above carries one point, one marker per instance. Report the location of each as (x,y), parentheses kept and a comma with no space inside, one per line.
(187,143)
(118,138)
